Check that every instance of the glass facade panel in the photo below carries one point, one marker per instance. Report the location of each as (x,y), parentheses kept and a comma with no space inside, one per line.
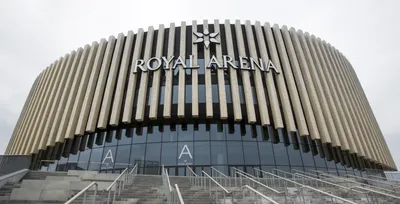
(218,153)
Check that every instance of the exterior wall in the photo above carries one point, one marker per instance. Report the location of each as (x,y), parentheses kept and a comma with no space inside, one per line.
(316,93)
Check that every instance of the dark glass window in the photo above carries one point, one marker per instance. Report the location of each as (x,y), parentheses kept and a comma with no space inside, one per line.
(233,132)
(202,93)
(124,138)
(83,160)
(162,94)
(153,152)
(185,132)
(294,156)
(217,132)
(153,134)
(188,94)
(202,66)
(251,156)
(169,154)
(202,153)
(169,135)
(95,159)
(201,133)
(215,97)
(175,94)
(122,157)
(235,153)
(139,135)
(137,154)
(218,153)
(228,93)
(266,153)
(281,156)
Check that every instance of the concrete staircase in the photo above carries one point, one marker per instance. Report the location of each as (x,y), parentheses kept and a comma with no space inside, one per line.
(57,187)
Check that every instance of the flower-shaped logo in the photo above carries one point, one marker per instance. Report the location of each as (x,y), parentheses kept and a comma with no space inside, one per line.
(206,37)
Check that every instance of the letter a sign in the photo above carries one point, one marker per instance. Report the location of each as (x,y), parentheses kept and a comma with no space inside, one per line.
(109,155)
(185,157)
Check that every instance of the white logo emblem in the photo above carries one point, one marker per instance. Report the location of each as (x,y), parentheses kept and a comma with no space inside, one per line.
(206,37)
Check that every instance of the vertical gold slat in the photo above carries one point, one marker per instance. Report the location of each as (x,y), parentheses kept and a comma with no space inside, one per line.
(110,84)
(365,114)
(346,120)
(207,76)
(220,73)
(169,73)
(356,108)
(155,87)
(270,83)
(100,86)
(324,111)
(35,105)
(286,73)
(87,101)
(341,123)
(320,66)
(237,111)
(181,81)
(81,92)
(47,105)
(144,79)
(22,120)
(130,92)
(195,75)
(72,65)
(71,96)
(32,129)
(58,86)
(257,74)
(248,93)
(122,77)
(373,145)
(357,134)
(301,86)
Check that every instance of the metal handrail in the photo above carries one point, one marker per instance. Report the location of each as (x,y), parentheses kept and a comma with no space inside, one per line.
(373,180)
(83,191)
(351,181)
(191,170)
(220,173)
(220,177)
(305,186)
(121,183)
(193,178)
(223,188)
(261,184)
(178,192)
(260,194)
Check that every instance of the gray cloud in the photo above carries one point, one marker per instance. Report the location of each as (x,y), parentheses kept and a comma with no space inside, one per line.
(33,34)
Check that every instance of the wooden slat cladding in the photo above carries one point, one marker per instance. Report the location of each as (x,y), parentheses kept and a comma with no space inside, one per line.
(311,90)
(88,99)
(144,79)
(223,109)
(320,105)
(122,77)
(156,84)
(276,44)
(100,86)
(237,111)
(270,85)
(32,128)
(66,115)
(24,113)
(169,73)
(52,105)
(207,77)
(111,81)
(63,101)
(301,85)
(248,93)
(320,66)
(195,75)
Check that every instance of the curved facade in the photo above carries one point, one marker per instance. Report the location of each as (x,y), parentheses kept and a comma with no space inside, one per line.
(206,94)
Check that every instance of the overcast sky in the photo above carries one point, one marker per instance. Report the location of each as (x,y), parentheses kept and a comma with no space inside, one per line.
(33,34)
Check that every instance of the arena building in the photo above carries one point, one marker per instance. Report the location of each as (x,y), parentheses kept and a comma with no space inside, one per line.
(206,94)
